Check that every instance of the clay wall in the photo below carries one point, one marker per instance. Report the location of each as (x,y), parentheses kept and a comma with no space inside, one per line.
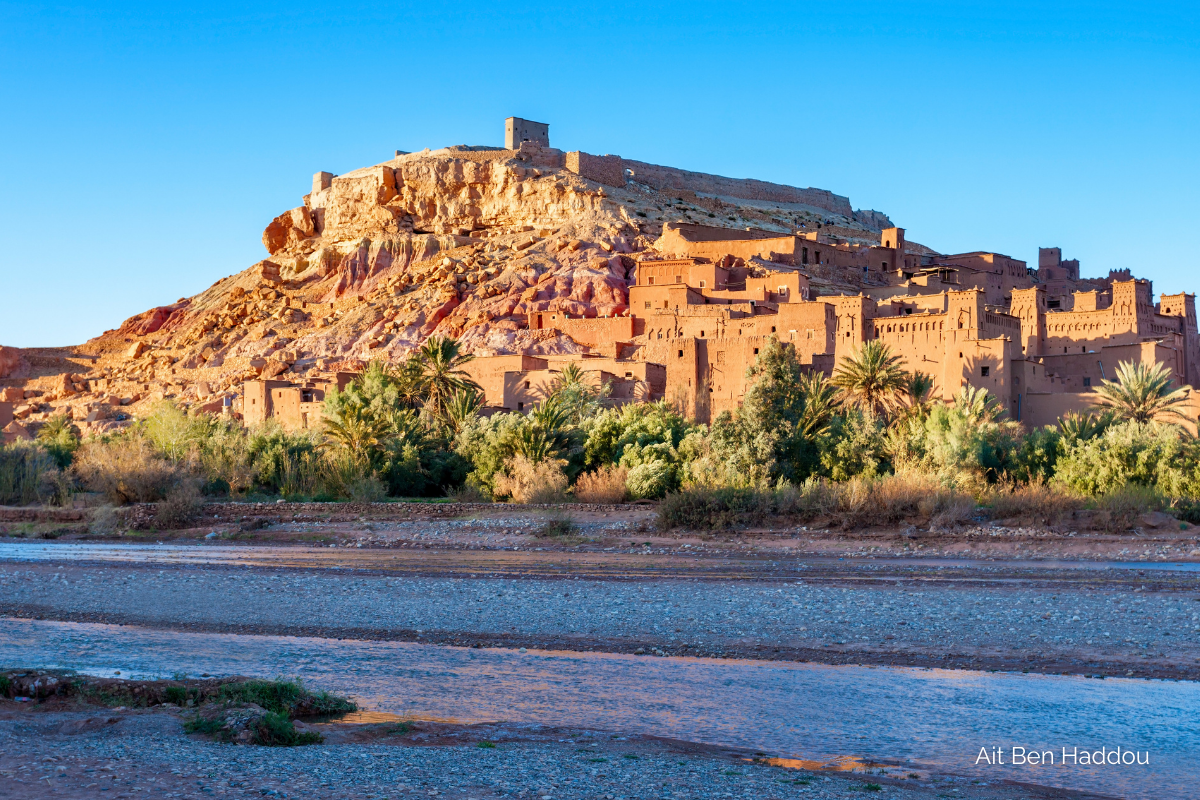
(780,287)
(524,390)
(693,273)
(643,299)
(982,363)
(708,376)
(851,328)
(627,382)
(744,248)
(591,331)
(608,170)
(294,407)
(1039,409)
(489,372)
(668,178)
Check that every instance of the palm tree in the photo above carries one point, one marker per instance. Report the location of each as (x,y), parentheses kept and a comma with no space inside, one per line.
(1077,427)
(461,407)
(820,403)
(574,391)
(920,387)
(1142,392)
(872,379)
(977,406)
(441,371)
(360,432)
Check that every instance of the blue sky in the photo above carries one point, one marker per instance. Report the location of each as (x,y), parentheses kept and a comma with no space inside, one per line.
(144,147)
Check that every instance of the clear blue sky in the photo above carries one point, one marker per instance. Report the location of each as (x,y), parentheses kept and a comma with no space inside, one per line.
(145,147)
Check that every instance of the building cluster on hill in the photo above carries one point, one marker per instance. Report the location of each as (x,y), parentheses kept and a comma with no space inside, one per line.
(702,306)
(699,312)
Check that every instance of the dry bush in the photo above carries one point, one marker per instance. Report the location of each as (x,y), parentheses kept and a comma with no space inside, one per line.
(180,506)
(367,490)
(104,520)
(604,486)
(888,500)
(126,470)
(1035,503)
(856,503)
(948,510)
(469,493)
(1122,509)
(527,482)
(811,499)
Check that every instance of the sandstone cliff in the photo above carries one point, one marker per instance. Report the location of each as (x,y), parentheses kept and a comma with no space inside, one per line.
(462,241)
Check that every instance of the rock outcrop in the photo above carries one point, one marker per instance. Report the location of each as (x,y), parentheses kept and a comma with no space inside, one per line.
(11,363)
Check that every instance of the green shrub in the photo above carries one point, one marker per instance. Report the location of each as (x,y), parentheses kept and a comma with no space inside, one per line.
(285,697)
(649,480)
(278,730)
(1146,454)
(60,438)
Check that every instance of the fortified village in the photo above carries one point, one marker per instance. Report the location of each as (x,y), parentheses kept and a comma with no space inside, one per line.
(661,283)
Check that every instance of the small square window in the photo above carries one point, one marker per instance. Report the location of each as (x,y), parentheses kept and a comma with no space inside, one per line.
(703,284)
(984,371)
(681,354)
(1087,381)
(650,280)
(647,304)
(527,382)
(520,406)
(756,351)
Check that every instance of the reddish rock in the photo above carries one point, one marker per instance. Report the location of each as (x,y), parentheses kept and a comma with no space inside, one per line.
(15,431)
(10,362)
(288,228)
(151,321)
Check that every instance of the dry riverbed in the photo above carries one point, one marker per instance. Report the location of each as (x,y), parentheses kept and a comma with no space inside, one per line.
(490,576)
(73,750)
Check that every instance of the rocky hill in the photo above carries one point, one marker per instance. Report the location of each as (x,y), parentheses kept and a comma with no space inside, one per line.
(463,241)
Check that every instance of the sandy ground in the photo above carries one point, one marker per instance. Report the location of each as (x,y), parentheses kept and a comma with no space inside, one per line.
(70,750)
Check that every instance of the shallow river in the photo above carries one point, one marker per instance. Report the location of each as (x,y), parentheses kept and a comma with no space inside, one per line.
(527,561)
(937,719)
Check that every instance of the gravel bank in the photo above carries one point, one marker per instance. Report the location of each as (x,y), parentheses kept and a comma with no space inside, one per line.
(93,752)
(1076,628)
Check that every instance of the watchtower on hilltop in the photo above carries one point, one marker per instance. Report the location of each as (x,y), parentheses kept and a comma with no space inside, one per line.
(517,130)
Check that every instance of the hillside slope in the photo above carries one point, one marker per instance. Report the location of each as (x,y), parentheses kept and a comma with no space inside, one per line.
(462,242)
